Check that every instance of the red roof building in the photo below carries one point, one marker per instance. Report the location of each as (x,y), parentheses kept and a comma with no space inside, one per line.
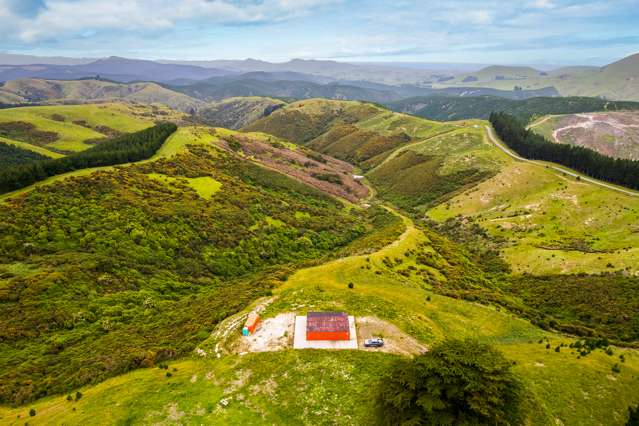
(327,326)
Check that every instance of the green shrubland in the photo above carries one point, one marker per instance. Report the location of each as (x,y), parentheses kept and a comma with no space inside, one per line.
(113,271)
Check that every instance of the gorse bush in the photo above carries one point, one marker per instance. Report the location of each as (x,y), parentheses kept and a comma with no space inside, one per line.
(456,383)
(122,149)
(118,270)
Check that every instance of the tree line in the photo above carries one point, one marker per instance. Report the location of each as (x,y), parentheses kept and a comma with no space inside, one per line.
(11,156)
(587,161)
(122,149)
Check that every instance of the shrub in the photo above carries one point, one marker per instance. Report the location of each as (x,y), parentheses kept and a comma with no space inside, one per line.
(457,382)
(351,285)
(32,412)
(78,395)
(633,416)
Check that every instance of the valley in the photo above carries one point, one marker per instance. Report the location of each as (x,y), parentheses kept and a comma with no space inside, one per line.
(151,263)
(335,212)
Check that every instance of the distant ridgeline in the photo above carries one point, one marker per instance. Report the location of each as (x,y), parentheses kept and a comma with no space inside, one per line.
(535,147)
(122,149)
(445,108)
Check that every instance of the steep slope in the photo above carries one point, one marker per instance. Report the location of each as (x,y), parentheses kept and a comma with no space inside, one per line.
(11,155)
(302,121)
(432,170)
(357,132)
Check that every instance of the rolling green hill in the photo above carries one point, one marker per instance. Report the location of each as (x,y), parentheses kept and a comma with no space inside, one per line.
(358,132)
(83,91)
(70,128)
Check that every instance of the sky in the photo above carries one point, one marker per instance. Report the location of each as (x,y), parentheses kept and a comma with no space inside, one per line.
(562,32)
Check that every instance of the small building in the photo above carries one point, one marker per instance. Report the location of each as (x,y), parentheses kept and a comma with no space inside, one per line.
(358,177)
(251,324)
(327,326)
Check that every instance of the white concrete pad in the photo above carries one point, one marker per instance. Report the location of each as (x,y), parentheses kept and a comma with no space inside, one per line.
(300,342)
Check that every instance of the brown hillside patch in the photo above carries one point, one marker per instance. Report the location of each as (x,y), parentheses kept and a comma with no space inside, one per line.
(27,132)
(330,175)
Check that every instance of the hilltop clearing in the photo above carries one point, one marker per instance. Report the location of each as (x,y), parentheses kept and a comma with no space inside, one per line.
(133,266)
(615,134)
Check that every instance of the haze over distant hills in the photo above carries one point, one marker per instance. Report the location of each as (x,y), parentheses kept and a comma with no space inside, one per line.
(299,79)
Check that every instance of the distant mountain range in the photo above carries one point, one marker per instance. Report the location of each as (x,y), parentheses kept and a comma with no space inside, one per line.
(616,81)
(113,68)
(302,79)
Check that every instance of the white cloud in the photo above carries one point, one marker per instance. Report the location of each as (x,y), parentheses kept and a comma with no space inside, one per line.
(543,4)
(75,16)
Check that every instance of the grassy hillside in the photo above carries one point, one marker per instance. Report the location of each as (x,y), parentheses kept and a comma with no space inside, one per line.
(430,171)
(164,258)
(302,121)
(361,133)
(463,108)
(235,113)
(551,223)
(129,266)
(338,387)
(72,128)
(39,90)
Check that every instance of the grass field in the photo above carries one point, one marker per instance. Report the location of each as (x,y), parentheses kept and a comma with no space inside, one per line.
(205,186)
(75,124)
